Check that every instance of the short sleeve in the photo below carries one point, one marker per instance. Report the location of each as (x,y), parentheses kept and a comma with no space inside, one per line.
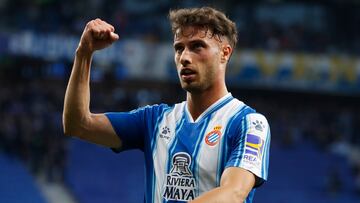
(250,147)
(133,127)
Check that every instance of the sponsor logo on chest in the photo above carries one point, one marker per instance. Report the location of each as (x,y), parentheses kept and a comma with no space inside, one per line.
(180,183)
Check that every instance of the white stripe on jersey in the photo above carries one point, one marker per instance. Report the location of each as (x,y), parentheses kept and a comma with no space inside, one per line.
(208,155)
(161,148)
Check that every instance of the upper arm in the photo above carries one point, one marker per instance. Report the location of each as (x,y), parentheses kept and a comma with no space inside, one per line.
(135,128)
(97,129)
(118,130)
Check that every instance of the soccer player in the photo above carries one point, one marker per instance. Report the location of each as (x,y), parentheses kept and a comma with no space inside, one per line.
(211,147)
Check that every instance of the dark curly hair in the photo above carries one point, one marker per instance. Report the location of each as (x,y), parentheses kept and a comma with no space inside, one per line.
(205,17)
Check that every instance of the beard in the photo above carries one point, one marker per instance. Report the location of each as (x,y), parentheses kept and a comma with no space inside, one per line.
(195,87)
(200,83)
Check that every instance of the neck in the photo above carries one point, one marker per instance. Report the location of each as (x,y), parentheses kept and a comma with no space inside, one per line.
(199,102)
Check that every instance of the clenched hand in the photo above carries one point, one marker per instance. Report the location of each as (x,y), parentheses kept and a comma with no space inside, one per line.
(97,35)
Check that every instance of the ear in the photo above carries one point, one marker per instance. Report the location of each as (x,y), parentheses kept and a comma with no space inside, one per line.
(226,53)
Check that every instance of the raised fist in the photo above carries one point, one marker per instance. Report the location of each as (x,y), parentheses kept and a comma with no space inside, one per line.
(97,35)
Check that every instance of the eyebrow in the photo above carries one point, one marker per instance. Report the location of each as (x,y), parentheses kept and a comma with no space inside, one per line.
(176,44)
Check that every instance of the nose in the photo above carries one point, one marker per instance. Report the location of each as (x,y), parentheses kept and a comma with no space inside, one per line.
(185,58)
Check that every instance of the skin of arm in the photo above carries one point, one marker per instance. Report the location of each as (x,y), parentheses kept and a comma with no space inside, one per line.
(235,185)
(78,121)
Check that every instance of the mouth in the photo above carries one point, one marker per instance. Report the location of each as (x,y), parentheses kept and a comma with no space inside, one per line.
(187,74)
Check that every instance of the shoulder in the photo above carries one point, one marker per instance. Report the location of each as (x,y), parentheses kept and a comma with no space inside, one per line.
(241,110)
(148,112)
(257,123)
(247,117)
(153,109)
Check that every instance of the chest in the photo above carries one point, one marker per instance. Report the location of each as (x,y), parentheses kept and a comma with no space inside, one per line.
(193,147)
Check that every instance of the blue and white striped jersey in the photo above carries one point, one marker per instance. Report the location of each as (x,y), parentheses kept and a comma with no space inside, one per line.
(185,158)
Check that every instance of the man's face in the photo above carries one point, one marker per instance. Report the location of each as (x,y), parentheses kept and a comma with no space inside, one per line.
(197,58)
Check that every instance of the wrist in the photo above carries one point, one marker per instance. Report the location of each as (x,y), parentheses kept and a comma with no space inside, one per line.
(83,52)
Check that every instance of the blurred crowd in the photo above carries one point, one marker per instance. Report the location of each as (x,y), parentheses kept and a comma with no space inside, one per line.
(290,26)
(30,127)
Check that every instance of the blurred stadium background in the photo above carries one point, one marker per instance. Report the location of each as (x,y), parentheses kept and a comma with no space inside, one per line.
(296,61)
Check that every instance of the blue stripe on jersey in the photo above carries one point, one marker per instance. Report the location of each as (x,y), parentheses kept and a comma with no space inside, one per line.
(250,196)
(268,152)
(175,141)
(195,167)
(200,138)
(244,127)
(265,158)
(156,130)
(223,157)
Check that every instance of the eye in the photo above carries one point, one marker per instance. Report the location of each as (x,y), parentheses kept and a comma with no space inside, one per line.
(178,48)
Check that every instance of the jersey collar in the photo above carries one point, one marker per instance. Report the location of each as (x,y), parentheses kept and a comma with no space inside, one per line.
(214,107)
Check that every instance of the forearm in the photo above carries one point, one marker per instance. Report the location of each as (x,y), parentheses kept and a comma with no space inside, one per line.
(235,185)
(77,96)
(222,195)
